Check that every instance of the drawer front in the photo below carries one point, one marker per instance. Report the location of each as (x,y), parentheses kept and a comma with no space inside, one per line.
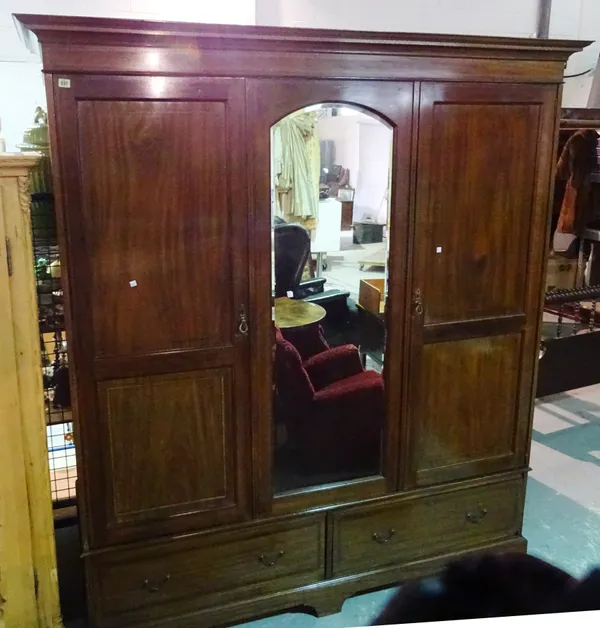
(188,574)
(424,527)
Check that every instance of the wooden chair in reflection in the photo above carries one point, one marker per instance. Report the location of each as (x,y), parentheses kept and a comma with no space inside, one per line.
(331,406)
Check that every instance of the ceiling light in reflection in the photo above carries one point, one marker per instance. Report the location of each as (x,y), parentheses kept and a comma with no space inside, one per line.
(157,85)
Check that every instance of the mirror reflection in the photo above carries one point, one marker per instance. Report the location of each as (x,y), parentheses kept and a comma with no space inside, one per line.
(330,187)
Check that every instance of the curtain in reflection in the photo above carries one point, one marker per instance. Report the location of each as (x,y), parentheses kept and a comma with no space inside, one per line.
(296,164)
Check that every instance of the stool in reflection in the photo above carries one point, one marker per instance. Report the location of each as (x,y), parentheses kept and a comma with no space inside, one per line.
(333,408)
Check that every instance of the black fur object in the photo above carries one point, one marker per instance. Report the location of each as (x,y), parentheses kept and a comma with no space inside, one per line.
(492,586)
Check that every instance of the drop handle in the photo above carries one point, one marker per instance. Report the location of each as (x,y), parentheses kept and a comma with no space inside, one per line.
(477,517)
(418,303)
(385,537)
(268,560)
(243,322)
(154,587)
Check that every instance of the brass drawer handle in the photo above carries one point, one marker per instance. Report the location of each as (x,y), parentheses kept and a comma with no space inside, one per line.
(155,587)
(477,517)
(269,560)
(384,538)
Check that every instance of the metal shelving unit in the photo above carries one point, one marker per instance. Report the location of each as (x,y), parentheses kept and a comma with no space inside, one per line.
(55,360)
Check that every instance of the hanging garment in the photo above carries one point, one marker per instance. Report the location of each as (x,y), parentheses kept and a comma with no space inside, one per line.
(296,165)
(578,160)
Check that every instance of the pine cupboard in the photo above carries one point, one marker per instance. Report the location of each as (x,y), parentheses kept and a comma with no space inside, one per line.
(28,578)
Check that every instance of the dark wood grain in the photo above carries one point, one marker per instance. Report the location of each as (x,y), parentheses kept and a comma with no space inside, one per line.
(171,444)
(536,268)
(413,328)
(200,572)
(155,215)
(474,328)
(478,203)
(468,406)
(319,497)
(178,360)
(417,529)
(191,60)
(323,596)
(122,31)
(231,549)
(73,333)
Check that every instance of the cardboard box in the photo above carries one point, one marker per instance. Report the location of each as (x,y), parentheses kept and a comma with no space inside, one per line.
(561,273)
(371,295)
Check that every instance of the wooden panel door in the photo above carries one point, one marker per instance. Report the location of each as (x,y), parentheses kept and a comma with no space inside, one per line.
(481,224)
(152,207)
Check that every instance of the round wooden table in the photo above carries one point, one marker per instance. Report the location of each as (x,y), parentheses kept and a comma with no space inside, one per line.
(292,314)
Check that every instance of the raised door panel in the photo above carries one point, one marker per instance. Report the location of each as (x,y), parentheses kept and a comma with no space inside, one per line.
(482,172)
(154,227)
(472,423)
(181,425)
(482,190)
(157,224)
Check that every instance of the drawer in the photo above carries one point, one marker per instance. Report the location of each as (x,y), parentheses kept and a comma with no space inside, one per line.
(191,573)
(424,527)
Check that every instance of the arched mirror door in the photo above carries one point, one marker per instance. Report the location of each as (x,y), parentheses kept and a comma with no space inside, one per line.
(330,209)
(337,192)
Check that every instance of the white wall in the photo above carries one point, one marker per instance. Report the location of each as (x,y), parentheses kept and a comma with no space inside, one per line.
(577,19)
(21,83)
(370,199)
(480,17)
(571,19)
(343,130)
(362,144)
(21,87)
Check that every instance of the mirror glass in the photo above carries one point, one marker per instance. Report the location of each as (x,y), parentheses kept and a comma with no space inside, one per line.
(330,210)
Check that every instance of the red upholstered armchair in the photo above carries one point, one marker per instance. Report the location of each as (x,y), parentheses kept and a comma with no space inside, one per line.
(333,409)
(308,341)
